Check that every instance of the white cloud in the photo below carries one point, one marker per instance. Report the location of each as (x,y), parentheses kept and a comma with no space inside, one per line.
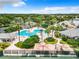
(46,10)
(18,4)
(14,3)
(53,10)
(9,1)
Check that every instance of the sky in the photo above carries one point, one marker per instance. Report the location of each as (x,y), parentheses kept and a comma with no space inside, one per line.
(39,6)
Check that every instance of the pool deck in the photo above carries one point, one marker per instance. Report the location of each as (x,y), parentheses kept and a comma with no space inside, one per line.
(52,48)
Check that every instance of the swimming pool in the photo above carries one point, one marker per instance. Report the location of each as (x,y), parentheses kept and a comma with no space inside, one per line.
(27,33)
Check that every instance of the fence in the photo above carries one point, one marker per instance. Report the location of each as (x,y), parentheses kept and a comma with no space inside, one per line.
(35,52)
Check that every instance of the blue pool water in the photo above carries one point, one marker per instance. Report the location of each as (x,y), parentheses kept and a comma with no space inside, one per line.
(27,33)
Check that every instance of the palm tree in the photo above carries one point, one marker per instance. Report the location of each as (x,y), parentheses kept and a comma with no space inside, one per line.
(24,18)
(39,21)
(47,31)
(41,34)
(72,20)
(18,23)
(51,28)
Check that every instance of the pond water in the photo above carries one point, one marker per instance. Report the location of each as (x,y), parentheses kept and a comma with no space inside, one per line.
(39,58)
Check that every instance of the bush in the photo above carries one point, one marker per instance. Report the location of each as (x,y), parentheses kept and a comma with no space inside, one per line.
(44,25)
(50,40)
(4,45)
(19,44)
(12,29)
(73,42)
(77,51)
(28,45)
(64,38)
(29,42)
(35,38)
(58,28)
(57,34)
(1,49)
